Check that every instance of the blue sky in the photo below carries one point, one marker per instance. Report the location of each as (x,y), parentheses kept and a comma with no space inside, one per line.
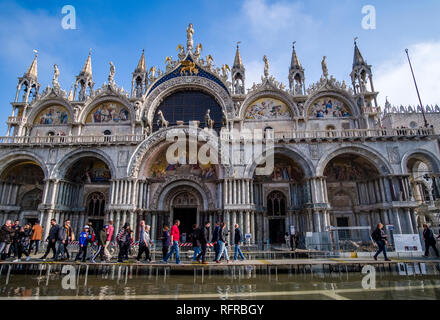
(118,31)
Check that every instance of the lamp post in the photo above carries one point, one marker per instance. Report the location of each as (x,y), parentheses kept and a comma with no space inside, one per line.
(417,89)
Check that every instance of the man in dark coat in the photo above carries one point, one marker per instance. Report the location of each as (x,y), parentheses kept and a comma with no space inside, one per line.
(6,235)
(52,239)
(215,238)
(203,240)
(430,241)
(238,239)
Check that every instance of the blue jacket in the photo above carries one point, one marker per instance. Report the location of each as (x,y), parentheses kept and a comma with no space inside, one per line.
(83,238)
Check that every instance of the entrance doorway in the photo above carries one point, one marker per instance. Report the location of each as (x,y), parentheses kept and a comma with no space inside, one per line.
(187,217)
(277,229)
(343,222)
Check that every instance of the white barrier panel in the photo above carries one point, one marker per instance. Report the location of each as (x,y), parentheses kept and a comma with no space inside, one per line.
(407,243)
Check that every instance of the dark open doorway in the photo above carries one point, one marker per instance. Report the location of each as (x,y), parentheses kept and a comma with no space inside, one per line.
(97,224)
(277,229)
(187,217)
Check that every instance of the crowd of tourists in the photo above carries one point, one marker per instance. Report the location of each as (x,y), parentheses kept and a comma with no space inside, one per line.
(17,240)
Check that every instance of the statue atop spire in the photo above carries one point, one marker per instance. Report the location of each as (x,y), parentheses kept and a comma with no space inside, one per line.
(189,35)
(56,74)
(238,73)
(296,74)
(111,76)
(324,67)
(266,66)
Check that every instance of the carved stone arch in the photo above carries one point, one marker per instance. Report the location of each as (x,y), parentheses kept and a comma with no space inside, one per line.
(154,141)
(22,155)
(177,191)
(178,181)
(425,156)
(106,96)
(342,95)
(46,103)
(288,151)
(382,165)
(335,191)
(60,169)
(270,93)
(155,97)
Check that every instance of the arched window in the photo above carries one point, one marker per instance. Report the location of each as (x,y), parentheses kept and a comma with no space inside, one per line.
(189,106)
(96,204)
(276,204)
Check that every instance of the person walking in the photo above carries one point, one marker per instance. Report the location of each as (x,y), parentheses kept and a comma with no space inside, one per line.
(110,230)
(144,243)
(124,239)
(6,234)
(223,236)
(430,241)
(166,241)
(238,239)
(195,242)
(52,239)
(37,235)
(82,243)
(65,234)
(23,236)
(380,237)
(203,240)
(215,238)
(102,239)
(175,236)
(14,247)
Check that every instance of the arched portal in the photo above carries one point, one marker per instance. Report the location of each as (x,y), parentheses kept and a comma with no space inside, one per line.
(354,191)
(87,185)
(22,184)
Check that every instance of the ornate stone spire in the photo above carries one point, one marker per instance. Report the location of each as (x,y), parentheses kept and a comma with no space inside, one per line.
(357,58)
(139,80)
(87,69)
(33,69)
(141,67)
(295,64)
(238,63)
(238,73)
(296,74)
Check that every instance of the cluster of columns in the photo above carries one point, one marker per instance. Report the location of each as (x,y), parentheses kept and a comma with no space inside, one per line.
(238,192)
(8,193)
(122,191)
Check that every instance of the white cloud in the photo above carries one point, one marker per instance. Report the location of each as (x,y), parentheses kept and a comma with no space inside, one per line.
(272,28)
(394,79)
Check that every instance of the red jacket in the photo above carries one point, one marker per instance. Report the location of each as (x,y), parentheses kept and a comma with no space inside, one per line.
(175,233)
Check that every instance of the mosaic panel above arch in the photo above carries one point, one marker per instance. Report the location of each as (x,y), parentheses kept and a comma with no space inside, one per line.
(285,170)
(160,168)
(350,167)
(108,113)
(329,107)
(268,109)
(53,115)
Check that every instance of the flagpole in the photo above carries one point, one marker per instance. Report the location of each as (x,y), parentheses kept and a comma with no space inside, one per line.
(417,89)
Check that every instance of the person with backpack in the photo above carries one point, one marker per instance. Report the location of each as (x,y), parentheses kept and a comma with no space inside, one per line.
(37,235)
(195,242)
(23,241)
(223,239)
(203,240)
(380,237)
(124,239)
(238,239)
(102,239)
(430,241)
(82,243)
(65,235)
(166,240)
(51,239)
(144,242)
(175,236)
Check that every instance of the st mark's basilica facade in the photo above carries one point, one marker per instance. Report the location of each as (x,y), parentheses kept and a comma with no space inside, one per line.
(100,154)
